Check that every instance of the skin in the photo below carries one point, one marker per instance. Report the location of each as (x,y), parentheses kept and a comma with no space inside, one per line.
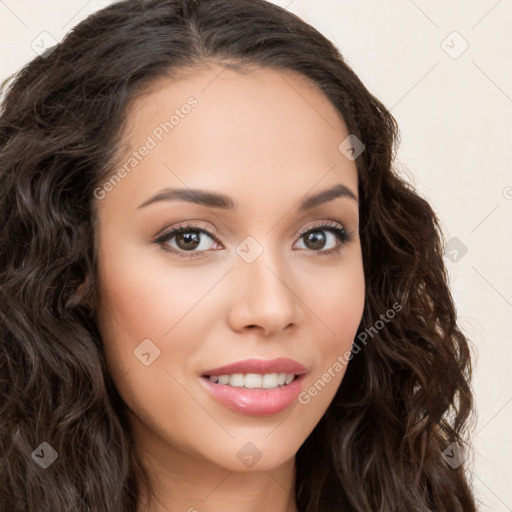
(266,139)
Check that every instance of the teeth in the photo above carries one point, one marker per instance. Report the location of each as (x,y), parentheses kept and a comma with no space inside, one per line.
(254,380)
(269,380)
(224,379)
(236,380)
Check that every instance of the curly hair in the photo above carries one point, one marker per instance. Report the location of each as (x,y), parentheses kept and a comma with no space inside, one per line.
(406,395)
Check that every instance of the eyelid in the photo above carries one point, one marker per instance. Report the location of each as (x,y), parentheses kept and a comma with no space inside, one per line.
(186,225)
(213,232)
(324,224)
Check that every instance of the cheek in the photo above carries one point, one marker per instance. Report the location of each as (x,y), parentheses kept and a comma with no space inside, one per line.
(338,305)
(148,297)
(143,299)
(147,315)
(344,309)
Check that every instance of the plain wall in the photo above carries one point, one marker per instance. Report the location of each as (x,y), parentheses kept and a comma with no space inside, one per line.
(454,110)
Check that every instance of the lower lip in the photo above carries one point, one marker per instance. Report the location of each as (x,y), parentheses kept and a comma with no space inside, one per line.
(256,401)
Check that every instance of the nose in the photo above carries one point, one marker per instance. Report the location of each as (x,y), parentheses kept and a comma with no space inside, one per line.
(265,296)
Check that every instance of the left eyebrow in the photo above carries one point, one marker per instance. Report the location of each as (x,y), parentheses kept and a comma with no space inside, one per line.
(216,200)
(327,195)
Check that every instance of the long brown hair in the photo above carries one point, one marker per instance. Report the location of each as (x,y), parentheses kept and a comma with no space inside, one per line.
(405,398)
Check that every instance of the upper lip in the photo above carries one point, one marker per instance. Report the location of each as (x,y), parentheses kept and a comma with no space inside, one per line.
(259,366)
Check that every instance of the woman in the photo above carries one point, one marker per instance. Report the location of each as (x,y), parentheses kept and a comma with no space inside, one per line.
(216,290)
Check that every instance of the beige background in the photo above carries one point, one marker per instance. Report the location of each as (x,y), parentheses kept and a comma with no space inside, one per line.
(454,109)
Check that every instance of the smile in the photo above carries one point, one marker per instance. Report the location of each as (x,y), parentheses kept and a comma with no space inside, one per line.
(254,380)
(256,387)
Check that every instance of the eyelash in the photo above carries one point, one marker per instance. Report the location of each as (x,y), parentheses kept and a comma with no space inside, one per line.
(342,234)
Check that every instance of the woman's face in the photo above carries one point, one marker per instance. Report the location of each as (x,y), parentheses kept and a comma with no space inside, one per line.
(253,277)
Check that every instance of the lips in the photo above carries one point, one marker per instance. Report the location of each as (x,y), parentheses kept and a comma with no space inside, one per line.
(257,401)
(260,366)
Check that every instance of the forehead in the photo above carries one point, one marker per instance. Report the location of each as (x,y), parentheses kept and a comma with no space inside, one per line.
(255,96)
(249,129)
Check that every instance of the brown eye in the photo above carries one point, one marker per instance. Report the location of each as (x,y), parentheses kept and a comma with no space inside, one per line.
(188,240)
(184,239)
(315,240)
(332,235)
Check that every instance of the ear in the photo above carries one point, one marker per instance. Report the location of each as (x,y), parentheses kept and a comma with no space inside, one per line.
(83,295)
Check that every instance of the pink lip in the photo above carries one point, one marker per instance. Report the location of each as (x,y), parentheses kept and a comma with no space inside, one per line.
(261,366)
(257,402)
